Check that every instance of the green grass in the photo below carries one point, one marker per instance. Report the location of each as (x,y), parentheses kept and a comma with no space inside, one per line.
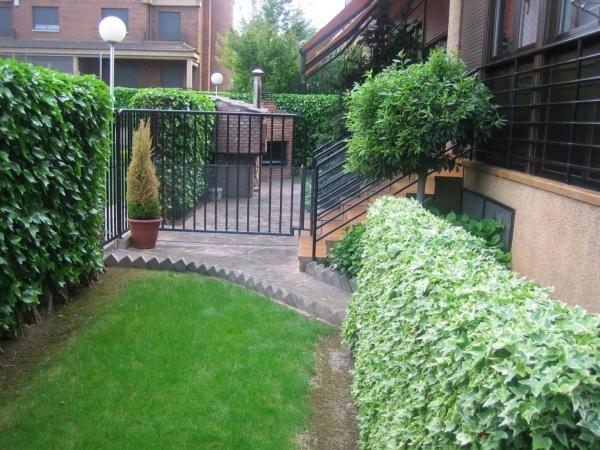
(173,361)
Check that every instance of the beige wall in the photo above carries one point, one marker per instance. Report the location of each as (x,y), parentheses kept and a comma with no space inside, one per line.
(556,238)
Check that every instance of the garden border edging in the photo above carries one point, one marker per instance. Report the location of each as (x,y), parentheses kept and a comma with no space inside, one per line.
(280,295)
(328,275)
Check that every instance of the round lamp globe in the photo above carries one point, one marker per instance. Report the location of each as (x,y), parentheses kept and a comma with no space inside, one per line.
(112,29)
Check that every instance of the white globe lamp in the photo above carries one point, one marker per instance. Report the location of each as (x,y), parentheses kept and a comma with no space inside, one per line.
(217,80)
(112,30)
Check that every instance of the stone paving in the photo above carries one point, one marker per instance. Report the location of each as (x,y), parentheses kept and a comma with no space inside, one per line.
(266,264)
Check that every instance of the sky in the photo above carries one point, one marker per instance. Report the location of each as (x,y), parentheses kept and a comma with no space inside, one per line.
(319,12)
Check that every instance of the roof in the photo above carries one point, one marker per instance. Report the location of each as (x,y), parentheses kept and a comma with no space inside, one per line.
(147,46)
(341,30)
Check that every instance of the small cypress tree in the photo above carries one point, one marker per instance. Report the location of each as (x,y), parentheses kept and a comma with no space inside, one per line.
(142,184)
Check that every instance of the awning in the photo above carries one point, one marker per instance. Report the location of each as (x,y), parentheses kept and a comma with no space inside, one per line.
(340,32)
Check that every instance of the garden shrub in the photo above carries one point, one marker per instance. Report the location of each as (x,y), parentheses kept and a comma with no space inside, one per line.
(346,254)
(453,350)
(182,185)
(54,149)
(123,96)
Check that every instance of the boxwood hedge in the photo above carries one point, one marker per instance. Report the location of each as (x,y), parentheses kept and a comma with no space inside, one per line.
(54,147)
(453,350)
(182,183)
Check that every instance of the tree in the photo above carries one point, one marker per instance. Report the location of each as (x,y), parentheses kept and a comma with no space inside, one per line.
(402,119)
(270,39)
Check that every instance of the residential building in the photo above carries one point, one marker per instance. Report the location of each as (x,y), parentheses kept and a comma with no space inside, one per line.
(170,43)
(541,172)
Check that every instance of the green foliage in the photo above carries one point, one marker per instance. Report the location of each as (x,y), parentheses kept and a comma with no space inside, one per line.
(489,229)
(182,185)
(453,350)
(347,254)
(402,119)
(123,96)
(54,148)
(269,40)
(143,200)
(341,74)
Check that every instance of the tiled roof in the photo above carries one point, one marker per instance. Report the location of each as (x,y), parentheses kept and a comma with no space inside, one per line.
(148,46)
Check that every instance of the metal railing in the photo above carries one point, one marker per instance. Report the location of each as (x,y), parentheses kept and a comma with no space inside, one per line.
(176,37)
(339,197)
(215,172)
(550,98)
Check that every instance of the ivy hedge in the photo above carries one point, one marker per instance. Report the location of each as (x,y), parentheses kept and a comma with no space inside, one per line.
(54,148)
(179,157)
(453,350)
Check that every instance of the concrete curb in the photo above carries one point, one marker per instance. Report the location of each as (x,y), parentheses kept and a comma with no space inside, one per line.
(278,294)
(330,276)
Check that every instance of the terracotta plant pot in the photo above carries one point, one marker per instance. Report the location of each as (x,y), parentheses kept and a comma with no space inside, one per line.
(144,232)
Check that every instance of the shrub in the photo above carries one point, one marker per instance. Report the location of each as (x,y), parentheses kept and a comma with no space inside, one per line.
(454,350)
(54,148)
(182,184)
(347,254)
(123,96)
(402,119)
(142,185)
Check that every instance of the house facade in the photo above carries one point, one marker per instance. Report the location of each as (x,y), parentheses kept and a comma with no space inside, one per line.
(541,172)
(169,43)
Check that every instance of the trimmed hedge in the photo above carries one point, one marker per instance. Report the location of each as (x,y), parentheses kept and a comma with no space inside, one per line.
(54,148)
(182,185)
(453,350)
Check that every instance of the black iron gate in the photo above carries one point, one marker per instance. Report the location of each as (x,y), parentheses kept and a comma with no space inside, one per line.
(223,172)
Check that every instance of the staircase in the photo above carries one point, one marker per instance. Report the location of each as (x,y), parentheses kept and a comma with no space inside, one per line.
(340,199)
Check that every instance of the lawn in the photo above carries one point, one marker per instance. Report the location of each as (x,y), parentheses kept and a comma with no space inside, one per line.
(171,361)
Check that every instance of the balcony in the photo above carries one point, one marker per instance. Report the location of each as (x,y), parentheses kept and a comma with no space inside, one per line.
(174,37)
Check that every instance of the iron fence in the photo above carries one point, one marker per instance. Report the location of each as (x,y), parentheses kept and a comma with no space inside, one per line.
(225,172)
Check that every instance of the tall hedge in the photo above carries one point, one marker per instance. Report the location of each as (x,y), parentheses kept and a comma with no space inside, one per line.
(54,147)
(182,181)
(453,350)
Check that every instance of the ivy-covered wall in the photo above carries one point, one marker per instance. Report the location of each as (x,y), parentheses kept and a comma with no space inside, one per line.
(54,147)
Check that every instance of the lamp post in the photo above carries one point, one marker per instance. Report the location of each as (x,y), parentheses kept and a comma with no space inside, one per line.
(217,80)
(112,30)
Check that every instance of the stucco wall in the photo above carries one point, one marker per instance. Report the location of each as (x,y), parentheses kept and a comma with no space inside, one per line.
(556,237)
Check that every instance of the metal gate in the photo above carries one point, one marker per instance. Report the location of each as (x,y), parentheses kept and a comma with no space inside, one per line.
(220,172)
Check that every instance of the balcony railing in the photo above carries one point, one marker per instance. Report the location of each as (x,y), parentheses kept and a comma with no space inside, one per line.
(550,98)
(175,37)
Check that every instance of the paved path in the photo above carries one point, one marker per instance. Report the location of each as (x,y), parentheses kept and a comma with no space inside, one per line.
(267,264)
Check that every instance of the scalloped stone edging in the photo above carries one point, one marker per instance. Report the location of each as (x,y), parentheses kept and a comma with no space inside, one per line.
(328,275)
(280,295)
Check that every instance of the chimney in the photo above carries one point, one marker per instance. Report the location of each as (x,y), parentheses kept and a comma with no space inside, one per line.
(257,75)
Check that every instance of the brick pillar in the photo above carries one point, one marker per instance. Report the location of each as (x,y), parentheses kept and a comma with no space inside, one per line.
(454,20)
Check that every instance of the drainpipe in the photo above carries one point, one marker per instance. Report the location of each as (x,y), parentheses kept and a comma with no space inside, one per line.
(257,75)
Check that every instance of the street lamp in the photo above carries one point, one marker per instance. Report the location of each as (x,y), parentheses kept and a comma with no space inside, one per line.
(217,80)
(112,30)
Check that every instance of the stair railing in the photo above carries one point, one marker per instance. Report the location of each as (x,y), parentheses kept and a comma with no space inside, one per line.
(336,191)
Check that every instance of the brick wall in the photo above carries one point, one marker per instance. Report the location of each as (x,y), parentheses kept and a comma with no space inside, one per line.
(79,19)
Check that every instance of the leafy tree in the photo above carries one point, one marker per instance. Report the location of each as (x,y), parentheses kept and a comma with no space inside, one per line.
(270,39)
(402,118)
(341,73)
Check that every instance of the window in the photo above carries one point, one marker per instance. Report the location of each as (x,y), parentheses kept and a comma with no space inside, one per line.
(172,76)
(276,154)
(515,25)
(45,18)
(5,22)
(169,25)
(573,18)
(121,13)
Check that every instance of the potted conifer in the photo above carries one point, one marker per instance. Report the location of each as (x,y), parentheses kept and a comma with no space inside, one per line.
(143,204)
